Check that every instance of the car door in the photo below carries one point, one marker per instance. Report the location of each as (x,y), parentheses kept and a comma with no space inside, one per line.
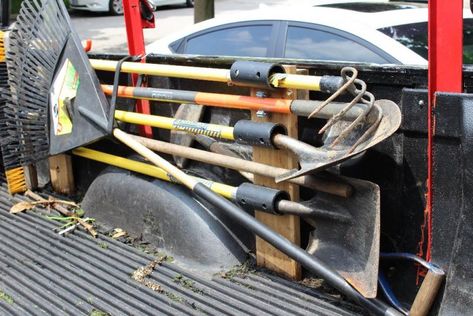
(311,41)
(249,38)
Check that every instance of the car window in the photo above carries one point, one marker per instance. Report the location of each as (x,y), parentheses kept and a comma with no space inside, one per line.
(414,37)
(371,7)
(310,43)
(244,40)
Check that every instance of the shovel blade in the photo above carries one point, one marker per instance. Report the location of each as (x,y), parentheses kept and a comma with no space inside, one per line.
(351,248)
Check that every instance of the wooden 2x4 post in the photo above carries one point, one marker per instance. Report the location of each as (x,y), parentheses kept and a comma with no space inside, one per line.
(287,225)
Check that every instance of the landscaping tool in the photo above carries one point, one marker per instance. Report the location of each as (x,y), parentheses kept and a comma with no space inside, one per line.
(14,173)
(357,242)
(355,220)
(268,134)
(47,65)
(231,101)
(245,73)
(308,181)
(35,20)
(347,83)
(247,195)
(361,252)
(311,263)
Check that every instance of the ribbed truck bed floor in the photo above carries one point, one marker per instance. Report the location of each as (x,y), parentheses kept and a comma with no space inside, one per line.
(42,273)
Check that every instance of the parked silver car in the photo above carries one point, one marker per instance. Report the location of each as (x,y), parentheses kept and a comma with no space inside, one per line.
(115,7)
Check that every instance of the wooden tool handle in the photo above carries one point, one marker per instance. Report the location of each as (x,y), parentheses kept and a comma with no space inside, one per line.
(427,293)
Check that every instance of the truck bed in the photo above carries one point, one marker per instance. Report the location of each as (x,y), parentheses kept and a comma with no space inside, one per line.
(42,273)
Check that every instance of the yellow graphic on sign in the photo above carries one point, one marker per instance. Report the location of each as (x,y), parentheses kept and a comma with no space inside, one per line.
(63,92)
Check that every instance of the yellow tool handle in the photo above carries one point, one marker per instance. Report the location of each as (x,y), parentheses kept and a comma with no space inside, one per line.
(198,73)
(211,130)
(295,82)
(150,170)
(280,80)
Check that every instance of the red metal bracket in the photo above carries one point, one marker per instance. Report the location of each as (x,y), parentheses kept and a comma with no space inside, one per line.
(445,75)
(137,17)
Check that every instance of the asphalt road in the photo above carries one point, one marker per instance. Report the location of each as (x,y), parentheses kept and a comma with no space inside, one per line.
(108,32)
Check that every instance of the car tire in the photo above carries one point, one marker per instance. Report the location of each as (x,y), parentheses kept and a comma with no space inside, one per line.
(115,7)
(190,3)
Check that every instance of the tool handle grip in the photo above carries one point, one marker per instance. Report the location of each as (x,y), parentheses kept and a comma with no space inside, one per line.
(257,197)
(427,293)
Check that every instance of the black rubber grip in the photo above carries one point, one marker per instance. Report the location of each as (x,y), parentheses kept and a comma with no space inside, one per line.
(257,197)
(254,74)
(330,84)
(257,133)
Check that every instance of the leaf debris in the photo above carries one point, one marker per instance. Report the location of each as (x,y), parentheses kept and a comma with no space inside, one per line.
(140,275)
(6,298)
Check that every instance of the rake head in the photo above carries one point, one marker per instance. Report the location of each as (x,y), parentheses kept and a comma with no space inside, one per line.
(55,102)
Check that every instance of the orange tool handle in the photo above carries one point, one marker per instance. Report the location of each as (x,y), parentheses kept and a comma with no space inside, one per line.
(203,98)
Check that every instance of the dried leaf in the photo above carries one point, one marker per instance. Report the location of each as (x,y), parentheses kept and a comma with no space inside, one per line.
(118,233)
(21,207)
(89,227)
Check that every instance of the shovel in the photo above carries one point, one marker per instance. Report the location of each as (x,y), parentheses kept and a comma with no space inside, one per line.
(354,218)
(345,228)
(351,245)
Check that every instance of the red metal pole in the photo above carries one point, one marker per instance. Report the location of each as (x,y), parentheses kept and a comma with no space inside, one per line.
(136,46)
(445,75)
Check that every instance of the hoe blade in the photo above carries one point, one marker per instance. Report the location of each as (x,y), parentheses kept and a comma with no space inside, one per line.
(315,159)
(351,247)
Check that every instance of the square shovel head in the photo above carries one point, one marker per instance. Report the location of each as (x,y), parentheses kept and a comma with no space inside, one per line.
(351,247)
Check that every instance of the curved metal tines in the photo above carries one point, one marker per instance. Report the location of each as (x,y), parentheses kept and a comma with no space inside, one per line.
(370,130)
(359,93)
(358,89)
(349,81)
(357,121)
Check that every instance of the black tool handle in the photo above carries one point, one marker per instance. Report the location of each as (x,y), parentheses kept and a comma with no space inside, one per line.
(310,263)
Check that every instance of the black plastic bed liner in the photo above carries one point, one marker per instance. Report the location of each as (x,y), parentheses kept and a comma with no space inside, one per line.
(42,273)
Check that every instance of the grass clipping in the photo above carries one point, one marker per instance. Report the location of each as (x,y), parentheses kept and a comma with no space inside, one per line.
(141,274)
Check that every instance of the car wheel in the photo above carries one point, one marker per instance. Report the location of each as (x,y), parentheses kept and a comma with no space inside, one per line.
(190,3)
(116,7)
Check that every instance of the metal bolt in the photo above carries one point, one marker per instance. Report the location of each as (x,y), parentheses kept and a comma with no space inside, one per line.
(261,114)
(261,94)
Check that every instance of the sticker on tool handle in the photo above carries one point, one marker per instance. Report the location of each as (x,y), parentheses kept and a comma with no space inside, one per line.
(63,92)
(196,128)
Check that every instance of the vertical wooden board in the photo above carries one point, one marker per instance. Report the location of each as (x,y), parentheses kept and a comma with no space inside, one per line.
(31,177)
(288,225)
(62,176)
